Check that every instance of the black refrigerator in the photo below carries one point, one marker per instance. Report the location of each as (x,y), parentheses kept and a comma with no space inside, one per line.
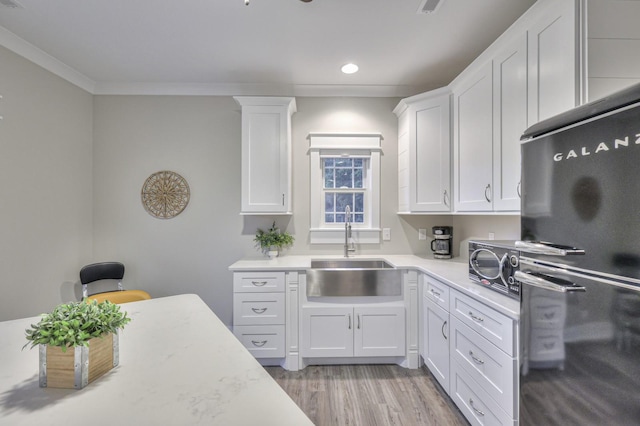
(580,266)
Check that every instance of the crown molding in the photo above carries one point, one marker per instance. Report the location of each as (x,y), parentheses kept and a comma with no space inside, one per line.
(43,59)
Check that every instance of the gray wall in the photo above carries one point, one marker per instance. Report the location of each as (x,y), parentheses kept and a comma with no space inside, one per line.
(45,170)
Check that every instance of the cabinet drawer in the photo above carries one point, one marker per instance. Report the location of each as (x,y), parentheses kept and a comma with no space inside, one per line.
(258,308)
(473,401)
(546,345)
(492,325)
(437,292)
(548,312)
(492,369)
(263,341)
(251,282)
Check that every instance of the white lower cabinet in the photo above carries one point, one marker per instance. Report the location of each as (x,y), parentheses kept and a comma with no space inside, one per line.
(470,349)
(435,330)
(353,332)
(436,337)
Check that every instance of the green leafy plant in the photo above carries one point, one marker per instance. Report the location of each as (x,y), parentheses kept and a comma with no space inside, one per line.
(273,237)
(75,323)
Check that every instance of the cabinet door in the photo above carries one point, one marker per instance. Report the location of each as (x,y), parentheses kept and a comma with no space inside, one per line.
(553,65)
(266,168)
(327,332)
(510,121)
(429,155)
(473,141)
(436,338)
(379,331)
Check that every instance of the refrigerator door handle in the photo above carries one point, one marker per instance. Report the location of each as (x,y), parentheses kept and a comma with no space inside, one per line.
(550,249)
(558,285)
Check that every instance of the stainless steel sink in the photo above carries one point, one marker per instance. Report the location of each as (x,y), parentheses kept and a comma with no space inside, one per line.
(347,277)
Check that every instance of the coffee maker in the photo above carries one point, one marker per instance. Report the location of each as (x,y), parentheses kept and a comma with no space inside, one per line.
(442,242)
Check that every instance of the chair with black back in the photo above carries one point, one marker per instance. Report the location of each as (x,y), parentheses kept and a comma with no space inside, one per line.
(95,272)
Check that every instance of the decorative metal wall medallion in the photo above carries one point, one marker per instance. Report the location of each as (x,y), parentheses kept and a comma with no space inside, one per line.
(165,194)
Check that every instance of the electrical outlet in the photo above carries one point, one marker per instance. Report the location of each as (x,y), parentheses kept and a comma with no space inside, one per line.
(492,236)
(386,234)
(422,234)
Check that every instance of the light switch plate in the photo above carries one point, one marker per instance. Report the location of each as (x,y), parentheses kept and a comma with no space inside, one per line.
(386,234)
(422,234)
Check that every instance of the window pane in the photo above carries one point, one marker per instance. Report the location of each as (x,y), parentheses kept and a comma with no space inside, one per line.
(339,217)
(328,162)
(357,178)
(329,218)
(329,180)
(358,218)
(329,204)
(344,162)
(359,203)
(344,178)
(342,201)
(357,162)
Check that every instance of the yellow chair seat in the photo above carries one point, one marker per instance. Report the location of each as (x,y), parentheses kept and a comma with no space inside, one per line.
(122,296)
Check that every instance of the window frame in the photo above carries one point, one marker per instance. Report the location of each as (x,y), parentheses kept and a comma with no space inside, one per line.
(366,146)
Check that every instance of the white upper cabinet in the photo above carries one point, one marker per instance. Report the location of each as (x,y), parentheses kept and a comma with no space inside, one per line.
(473,140)
(266,154)
(424,153)
(554,61)
(509,121)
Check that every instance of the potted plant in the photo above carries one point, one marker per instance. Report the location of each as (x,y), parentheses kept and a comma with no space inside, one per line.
(91,329)
(273,240)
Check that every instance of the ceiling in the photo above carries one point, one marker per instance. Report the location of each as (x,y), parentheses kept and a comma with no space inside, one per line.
(270,47)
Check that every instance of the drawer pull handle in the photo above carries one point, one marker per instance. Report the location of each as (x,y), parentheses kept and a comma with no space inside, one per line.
(435,293)
(475,358)
(475,318)
(480,413)
(549,345)
(259,283)
(259,343)
(259,310)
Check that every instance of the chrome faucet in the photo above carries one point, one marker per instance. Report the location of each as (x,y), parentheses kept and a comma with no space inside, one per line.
(349,246)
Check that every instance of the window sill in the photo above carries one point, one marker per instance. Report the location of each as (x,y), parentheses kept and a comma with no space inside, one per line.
(336,236)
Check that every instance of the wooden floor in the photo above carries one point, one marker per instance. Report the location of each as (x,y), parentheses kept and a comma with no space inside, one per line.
(368,395)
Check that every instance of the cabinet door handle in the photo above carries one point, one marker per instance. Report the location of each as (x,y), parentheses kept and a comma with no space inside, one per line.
(358,321)
(475,358)
(259,344)
(445,198)
(259,310)
(283,199)
(258,283)
(480,413)
(487,190)
(443,327)
(475,318)
(518,190)
(349,315)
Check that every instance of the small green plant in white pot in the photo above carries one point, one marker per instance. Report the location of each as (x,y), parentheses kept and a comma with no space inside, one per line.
(90,330)
(273,240)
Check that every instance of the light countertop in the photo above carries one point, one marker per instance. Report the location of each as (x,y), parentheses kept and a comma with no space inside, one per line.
(179,365)
(453,272)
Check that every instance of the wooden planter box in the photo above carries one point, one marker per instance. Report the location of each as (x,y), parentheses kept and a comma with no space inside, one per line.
(79,366)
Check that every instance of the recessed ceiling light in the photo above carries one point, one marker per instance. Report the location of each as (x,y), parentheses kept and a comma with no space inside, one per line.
(349,68)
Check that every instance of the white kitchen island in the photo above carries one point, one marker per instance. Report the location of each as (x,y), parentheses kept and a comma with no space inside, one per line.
(179,365)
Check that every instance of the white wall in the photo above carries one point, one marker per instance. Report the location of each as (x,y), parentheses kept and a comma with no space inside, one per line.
(613,46)
(198,138)
(45,170)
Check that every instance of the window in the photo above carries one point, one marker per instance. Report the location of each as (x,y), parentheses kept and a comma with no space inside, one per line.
(344,185)
(345,171)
